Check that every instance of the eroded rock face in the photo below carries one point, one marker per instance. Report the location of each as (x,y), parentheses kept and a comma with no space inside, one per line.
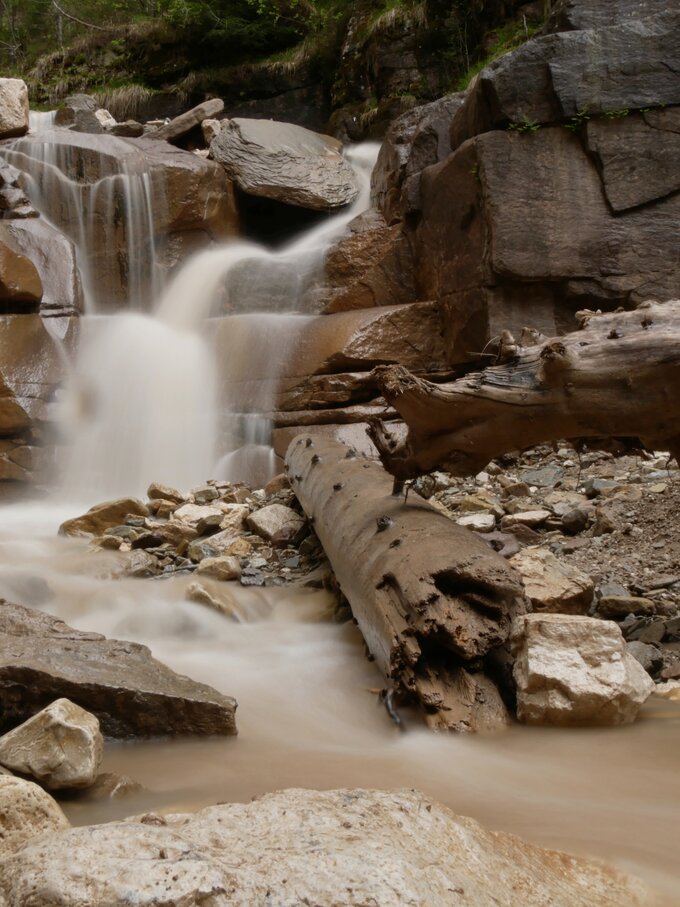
(61,747)
(573,670)
(285,162)
(363,847)
(26,811)
(132,694)
(13,108)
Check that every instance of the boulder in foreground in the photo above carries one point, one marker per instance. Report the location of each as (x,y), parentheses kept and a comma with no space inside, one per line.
(13,108)
(341,848)
(573,670)
(285,162)
(61,746)
(25,811)
(132,694)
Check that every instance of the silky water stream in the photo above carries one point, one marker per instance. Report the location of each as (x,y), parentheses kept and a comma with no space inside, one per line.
(307,712)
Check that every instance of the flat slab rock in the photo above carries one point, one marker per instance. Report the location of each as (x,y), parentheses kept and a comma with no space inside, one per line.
(341,848)
(132,694)
(285,162)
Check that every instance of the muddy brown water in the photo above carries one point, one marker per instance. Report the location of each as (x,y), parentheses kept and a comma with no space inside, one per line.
(308,717)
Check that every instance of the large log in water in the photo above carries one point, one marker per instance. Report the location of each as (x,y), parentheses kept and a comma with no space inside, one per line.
(431,599)
(616,377)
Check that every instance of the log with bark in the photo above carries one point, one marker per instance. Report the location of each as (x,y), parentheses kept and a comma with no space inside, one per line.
(432,600)
(616,377)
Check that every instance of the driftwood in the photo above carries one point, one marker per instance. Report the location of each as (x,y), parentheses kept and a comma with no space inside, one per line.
(431,599)
(617,377)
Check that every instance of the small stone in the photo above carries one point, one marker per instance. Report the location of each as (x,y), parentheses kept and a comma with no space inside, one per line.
(217,598)
(481,502)
(529,518)
(479,522)
(61,746)
(648,655)
(277,484)
(617,606)
(103,516)
(545,476)
(139,564)
(482,478)
(516,490)
(110,786)
(251,577)
(223,568)
(193,514)
(658,488)
(574,521)
(277,524)
(552,585)
(204,494)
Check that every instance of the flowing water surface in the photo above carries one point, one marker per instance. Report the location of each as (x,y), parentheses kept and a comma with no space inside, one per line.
(308,716)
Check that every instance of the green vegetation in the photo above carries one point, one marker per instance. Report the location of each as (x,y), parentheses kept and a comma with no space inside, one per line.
(500,41)
(525,126)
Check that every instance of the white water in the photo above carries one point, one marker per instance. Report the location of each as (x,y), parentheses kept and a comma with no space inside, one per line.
(99,212)
(146,405)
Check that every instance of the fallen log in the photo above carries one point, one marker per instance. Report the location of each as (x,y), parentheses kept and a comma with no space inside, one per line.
(617,377)
(431,599)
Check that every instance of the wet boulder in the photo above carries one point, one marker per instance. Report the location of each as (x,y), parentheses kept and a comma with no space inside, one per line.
(13,108)
(20,284)
(285,162)
(61,747)
(573,670)
(132,694)
(26,811)
(103,516)
(366,847)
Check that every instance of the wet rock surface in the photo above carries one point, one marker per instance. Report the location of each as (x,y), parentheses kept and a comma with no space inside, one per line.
(366,847)
(131,694)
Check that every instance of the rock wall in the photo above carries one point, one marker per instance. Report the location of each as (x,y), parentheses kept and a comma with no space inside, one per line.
(551,185)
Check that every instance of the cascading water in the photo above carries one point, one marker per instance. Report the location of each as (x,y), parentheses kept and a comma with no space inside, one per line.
(145,405)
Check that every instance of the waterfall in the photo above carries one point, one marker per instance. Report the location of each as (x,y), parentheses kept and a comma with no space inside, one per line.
(101,212)
(156,400)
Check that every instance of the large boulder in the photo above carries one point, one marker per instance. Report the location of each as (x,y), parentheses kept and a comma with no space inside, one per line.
(13,108)
(61,747)
(572,670)
(26,811)
(132,694)
(328,848)
(285,162)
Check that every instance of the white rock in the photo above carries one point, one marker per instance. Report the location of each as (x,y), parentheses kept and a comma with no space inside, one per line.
(61,746)
(192,514)
(26,810)
(525,518)
(573,670)
(210,129)
(104,118)
(553,585)
(276,523)
(13,108)
(343,848)
(480,522)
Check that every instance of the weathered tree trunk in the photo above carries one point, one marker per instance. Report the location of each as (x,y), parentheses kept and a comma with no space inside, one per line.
(619,376)
(431,599)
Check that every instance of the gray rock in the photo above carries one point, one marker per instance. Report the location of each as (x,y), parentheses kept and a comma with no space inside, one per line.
(342,848)
(26,811)
(573,670)
(42,659)
(285,162)
(61,747)
(185,122)
(545,476)
(575,521)
(13,108)
(649,656)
